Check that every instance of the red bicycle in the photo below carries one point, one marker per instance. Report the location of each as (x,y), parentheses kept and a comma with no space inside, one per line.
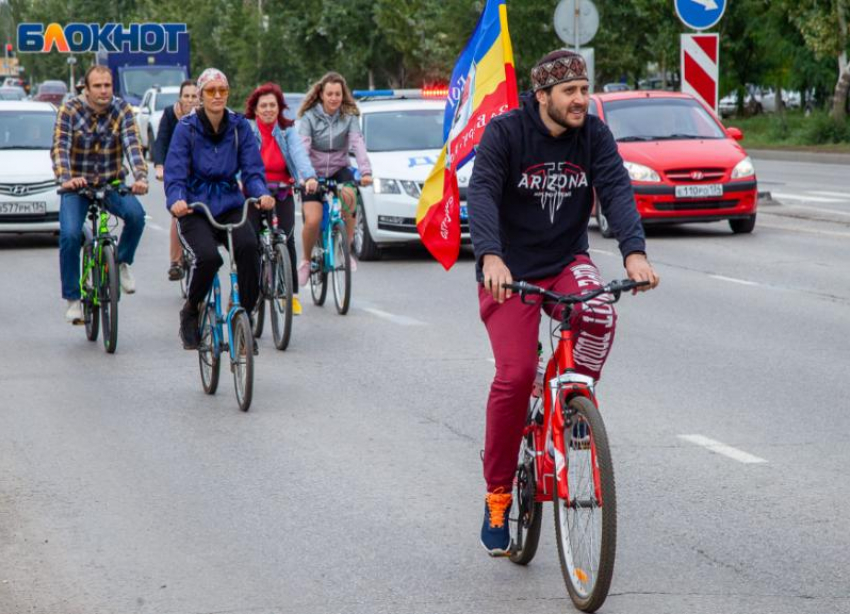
(565,458)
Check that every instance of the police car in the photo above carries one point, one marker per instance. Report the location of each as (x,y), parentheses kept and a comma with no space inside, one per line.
(403,131)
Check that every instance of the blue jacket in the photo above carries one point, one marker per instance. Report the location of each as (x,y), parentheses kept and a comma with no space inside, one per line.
(296,158)
(197,169)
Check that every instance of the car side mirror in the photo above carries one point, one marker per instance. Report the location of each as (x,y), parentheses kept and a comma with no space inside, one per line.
(735,133)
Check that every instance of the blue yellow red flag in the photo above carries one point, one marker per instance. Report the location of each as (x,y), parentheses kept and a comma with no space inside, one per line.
(482,86)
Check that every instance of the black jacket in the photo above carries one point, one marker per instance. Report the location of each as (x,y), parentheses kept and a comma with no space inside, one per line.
(163,136)
(531,194)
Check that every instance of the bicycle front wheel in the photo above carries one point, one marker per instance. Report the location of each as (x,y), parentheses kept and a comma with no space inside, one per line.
(342,269)
(318,277)
(281,298)
(586,523)
(91,309)
(208,350)
(109,293)
(242,360)
(526,513)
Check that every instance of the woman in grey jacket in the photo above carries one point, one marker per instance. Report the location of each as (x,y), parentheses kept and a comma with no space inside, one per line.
(330,127)
(285,160)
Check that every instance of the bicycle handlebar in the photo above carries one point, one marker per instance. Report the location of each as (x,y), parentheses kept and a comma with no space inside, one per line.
(615,287)
(90,191)
(202,207)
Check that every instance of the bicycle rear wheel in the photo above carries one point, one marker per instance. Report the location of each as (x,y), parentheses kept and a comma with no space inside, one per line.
(208,350)
(586,525)
(526,513)
(242,360)
(342,269)
(109,293)
(281,298)
(318,277)
(91,310)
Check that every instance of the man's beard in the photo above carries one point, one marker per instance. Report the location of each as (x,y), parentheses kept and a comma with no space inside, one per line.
(561,118)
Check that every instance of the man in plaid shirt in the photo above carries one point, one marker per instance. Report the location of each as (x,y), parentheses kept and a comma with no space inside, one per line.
(93,133)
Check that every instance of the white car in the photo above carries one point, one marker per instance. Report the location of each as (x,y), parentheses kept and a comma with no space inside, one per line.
(29,201)
(153,104)
(403,139)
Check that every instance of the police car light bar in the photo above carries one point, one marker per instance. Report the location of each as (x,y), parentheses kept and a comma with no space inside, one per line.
(427,92)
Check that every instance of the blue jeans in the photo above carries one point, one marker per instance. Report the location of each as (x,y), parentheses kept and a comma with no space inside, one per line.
(72,216)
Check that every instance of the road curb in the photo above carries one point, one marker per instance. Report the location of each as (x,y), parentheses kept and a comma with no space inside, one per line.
(799,156)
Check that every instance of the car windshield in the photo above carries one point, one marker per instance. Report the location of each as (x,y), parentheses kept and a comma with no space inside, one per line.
(26,129)
(164,100)
(12,95)
(657,119)
(293,103)
(137,82)
(404,130)
(52,88)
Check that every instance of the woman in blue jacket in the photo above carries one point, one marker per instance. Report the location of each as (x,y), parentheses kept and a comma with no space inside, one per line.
(209,149)
(285,159)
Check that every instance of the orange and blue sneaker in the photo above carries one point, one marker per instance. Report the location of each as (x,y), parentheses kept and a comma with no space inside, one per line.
(495,533)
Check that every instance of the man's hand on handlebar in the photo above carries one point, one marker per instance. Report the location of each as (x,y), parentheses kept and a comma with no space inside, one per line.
(75,183)
(496,273)
(140,187)
(311,185)
(180,208)
(639,269)
(266,203)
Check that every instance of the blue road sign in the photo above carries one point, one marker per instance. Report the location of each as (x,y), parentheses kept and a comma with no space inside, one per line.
(700,14)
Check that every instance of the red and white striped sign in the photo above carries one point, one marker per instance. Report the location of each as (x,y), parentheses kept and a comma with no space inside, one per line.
(700,58)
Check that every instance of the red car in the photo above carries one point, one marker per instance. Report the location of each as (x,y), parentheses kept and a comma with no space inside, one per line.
(684,164)
(52,91)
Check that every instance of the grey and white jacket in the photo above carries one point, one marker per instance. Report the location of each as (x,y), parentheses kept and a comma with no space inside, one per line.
(329,138)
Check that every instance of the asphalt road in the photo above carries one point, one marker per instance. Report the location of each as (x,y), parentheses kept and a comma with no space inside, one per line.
(354,483)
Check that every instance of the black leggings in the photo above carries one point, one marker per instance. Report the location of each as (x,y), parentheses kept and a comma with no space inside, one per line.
(201,240)
(285,210)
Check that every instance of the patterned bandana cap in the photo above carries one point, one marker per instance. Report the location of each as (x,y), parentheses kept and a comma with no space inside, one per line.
(568,67)
(211,74)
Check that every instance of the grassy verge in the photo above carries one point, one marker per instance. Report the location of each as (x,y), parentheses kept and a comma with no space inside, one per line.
(793,131)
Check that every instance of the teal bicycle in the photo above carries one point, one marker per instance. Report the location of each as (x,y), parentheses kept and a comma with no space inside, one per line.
(331,255)
(99,287)
(239,340)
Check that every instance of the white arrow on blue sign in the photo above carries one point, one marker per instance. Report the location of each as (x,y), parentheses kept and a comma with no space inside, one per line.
(700,14)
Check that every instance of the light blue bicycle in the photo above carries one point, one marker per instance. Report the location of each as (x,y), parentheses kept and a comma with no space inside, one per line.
(331,255)
(239,341)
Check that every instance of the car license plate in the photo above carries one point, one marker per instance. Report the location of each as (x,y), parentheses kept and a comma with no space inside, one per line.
(463,213)
(23,208)
(699,191)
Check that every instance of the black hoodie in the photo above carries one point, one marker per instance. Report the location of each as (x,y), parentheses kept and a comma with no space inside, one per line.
(531,194)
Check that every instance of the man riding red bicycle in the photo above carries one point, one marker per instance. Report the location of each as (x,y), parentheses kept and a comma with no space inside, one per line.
(530,199)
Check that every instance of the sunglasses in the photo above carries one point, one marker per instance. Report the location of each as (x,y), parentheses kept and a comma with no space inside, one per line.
(221,91)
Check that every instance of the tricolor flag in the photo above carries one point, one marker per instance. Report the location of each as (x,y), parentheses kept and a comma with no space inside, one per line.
(483,86)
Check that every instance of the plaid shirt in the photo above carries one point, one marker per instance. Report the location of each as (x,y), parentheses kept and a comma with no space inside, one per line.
(92,145)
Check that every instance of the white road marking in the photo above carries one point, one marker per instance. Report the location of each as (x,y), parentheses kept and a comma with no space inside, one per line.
(395,319)
(813,199)
(845,196)
(156,227)
(829,233)
(493,360)
(734,280)
(722,448)
(601,251)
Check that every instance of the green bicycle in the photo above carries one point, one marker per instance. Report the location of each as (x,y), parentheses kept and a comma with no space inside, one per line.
(99,286)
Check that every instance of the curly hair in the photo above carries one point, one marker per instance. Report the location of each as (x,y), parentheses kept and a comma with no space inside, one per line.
(349,107)
(263,90)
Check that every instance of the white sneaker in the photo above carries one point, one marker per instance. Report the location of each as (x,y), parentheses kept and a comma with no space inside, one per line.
(74,313)
(352,263)
(303,272)
(128,282)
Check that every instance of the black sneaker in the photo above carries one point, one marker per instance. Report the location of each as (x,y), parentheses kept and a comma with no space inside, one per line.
(175,272)
(189,333)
